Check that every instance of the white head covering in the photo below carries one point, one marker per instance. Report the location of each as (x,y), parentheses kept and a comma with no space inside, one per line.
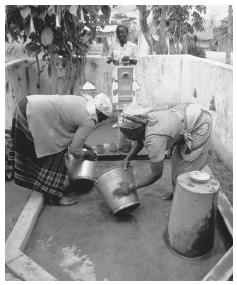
(103,104)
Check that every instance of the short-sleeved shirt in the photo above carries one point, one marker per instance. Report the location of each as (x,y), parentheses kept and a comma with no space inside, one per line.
(167,125)
(118,52)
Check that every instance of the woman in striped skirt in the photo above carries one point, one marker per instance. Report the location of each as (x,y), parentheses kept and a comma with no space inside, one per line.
(44,128)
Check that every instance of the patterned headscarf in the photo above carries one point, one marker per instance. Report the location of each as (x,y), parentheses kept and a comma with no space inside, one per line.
(132,122)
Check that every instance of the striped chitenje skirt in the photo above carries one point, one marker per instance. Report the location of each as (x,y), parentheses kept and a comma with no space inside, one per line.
(196,160)
(46,174)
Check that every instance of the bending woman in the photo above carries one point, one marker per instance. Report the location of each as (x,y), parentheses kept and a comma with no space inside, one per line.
(189,128)
(44,128)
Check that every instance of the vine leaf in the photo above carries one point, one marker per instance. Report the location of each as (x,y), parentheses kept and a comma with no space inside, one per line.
(46,36)
(32,48)
(73,10)
(25,12)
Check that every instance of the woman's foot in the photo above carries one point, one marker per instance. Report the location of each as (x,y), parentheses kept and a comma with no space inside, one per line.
(67,201)
(66,183)
(64,201)
(168,196)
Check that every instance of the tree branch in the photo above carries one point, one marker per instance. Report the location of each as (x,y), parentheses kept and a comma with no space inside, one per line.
(143,15)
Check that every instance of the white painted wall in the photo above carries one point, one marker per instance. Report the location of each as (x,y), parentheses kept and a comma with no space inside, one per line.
(16,87)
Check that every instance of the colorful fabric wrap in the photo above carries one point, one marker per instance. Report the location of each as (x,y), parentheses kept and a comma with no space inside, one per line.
(192,115)
(132,122)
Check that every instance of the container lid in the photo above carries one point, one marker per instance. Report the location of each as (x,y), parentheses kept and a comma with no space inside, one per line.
(199,176)
(205,187)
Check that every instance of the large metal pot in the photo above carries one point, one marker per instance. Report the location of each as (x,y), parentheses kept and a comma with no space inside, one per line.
(81,169)
(109,180)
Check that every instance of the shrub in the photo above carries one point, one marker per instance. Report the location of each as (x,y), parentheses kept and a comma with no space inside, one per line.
(196,51)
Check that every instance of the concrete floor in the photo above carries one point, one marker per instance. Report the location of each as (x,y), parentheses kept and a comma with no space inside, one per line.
(86,242)
(103,134)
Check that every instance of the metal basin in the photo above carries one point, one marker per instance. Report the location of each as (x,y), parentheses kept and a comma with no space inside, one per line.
(81,169)
(109,180)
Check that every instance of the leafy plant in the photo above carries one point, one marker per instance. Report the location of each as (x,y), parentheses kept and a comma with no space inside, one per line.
(55,30)
(196,51)
(175,22)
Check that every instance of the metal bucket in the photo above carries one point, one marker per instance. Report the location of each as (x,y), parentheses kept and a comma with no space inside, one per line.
(109,180)
(81,169)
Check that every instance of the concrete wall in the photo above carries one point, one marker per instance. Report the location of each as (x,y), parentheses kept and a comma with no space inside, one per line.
(96,70)
(16,87)
(21,80)
(159,78)
(163,80)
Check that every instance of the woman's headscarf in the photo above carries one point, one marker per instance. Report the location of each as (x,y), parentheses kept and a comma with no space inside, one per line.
(101,102)
(132,121)
(135,116)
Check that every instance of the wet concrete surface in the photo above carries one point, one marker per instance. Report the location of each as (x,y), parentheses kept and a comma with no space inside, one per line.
(86,242)
(103,134)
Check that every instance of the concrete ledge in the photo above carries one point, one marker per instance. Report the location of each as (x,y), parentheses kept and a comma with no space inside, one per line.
(16,61)
(223,270)
(20,234)
(26,269)
(17,262)
(224,206)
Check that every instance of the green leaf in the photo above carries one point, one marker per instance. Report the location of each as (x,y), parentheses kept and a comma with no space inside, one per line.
(32,48)
(25,12)
(42,14)
(73,10)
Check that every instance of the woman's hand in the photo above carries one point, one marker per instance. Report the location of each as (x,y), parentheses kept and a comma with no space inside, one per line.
(168,153)
(88,147)
(124,188)
(126,163)
(90,155)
